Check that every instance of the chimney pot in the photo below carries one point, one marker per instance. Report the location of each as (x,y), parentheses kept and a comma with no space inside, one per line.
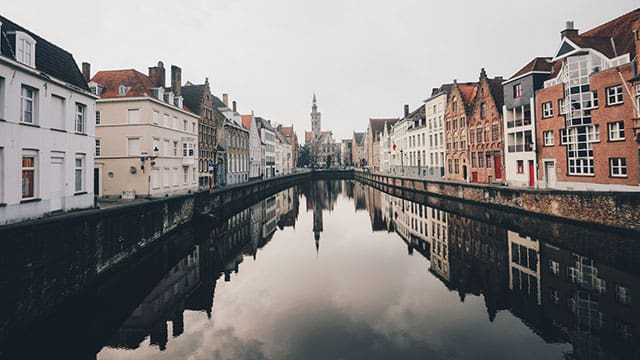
(225,99)
(406,110)
(570,31)
(86,71)
(235,108)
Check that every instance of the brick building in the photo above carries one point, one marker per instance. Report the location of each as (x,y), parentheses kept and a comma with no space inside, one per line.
(373,134)
(486,132)
(458,110)
(588,135)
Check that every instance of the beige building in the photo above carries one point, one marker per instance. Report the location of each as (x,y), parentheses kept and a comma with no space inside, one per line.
(146,139)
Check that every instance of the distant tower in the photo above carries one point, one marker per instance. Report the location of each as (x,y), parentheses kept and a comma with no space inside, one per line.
(315,119)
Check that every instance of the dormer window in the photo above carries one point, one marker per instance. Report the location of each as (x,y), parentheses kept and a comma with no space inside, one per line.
(95,88)
(25,49)
(123,90)
(178,102)
(170,98)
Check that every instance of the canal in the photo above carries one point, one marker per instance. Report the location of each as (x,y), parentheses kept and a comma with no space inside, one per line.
(340,270)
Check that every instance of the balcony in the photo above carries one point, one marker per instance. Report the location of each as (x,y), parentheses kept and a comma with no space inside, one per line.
(188,161)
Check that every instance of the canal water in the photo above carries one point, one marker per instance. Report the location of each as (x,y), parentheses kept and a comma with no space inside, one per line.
(340,270)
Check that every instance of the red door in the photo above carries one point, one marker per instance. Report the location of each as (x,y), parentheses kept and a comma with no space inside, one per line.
(474,176)
(498,164)
(532,177)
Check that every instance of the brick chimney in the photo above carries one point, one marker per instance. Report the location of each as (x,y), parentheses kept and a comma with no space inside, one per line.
(406,110)
(86,71)
(176,80)
(569,31)
(235,107)
(225,99)
(157,75)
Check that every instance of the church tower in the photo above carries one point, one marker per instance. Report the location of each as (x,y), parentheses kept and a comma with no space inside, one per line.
(315,119)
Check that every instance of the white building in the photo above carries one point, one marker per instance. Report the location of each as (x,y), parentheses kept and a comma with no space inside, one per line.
(255,148)
(399,154)
(47,128)
(268,140)
(434,142)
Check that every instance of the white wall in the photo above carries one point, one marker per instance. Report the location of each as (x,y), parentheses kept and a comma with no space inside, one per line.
(47,138)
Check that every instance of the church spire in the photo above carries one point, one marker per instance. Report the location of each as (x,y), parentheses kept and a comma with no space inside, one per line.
(314,106)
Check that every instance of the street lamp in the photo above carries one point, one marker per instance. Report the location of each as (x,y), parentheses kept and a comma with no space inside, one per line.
(402,161)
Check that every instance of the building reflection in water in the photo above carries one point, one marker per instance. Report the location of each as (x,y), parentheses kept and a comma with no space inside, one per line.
(561,295)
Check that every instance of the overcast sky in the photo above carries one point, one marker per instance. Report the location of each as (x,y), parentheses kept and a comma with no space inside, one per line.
(362,58)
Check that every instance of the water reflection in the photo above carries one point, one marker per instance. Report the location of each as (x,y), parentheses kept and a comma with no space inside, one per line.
(471,287)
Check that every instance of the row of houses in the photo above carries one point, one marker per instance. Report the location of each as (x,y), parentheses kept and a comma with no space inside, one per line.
(566,121)
(68,136)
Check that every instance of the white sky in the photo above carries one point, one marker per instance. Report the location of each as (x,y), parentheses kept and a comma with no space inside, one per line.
(362,58)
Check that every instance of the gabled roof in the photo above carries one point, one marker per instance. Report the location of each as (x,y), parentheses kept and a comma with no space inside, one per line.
(377,125)
(443,89)
(538,64)
(50,59)
(359,137)
(192,96)
(468,91)
(619,29)
(139,84)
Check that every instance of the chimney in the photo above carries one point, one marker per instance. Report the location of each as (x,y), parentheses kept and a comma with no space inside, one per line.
(235,108)
(569,31)
(225,99)
(86,71)
(157,75)
(406,110)
(176,80)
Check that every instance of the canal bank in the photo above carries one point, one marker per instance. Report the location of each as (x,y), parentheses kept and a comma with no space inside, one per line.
(615,209)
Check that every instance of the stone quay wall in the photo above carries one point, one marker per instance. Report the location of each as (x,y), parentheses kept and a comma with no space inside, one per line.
(616,209)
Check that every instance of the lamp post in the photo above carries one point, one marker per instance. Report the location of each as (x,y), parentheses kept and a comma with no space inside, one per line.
(402,161)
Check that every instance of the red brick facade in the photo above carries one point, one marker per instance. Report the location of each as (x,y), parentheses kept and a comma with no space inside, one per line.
(459,106)
(602,116)
(485,123)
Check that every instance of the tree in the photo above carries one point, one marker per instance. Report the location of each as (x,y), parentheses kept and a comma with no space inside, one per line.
(305,156)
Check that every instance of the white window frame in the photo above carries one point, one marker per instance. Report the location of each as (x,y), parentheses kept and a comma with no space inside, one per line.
(78,173)
(614,95)
(547,137)
(98,150)
(133,116)
(156,117)
(25,49)
(547,109)
(618,167)
(98,117)
(616,131)
(79,118)
(30,154)
(155,179)
(28,99)
(129,152)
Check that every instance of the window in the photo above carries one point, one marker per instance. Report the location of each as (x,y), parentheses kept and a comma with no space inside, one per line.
(593,133)
(98,147)
(486,134)
(165,147)
(474,160)
(517,91)
(2,104)
(472,136)
(548,137)
(454,106)
(79,173)
(463,121)
(616,130)
(481,159)
(520,164)
(155,178)
(623,294)
(133,146)
(614,95)
(25,49)
(554,267)
(456,163)
(79,119)
(547,109)
(98,118)
(483,110)
(156,117)
(29,175)
(123,90)
(479,135)
(27,103)
(488,156)
(57,115)
(185,175)
(184,125)
(133,116)
(495,132)
(165,177)
(176,123)
(618,167)
(165,120)
(175,148)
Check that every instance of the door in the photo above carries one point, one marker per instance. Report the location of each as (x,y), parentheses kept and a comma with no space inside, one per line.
(532,176)
(474,176)
(497,160)
(550,174)
(464,172)
(56,182)
(96,182)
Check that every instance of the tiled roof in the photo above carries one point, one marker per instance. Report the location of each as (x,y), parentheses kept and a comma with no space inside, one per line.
(139,84)
(497,92)
(620,30)
(359,137)
(192,96)
(468,91)
(542,64)
(50,59)
(601,43)
(377,125)
(246,121)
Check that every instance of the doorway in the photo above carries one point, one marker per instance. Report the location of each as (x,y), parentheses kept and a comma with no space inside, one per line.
(550,173)
(57,182)
(497,160)
(96,181)
(532,176)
